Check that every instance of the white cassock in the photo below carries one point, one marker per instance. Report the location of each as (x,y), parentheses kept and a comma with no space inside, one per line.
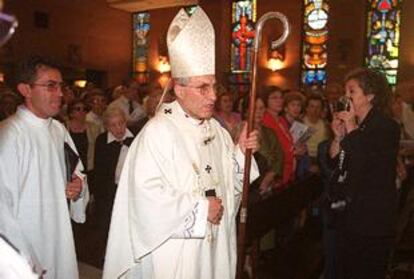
(12,264)
(159,225)
(36,217)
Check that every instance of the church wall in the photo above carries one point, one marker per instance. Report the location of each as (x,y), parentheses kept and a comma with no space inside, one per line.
(347,25)
(406,71)
(102,37)
(81,35)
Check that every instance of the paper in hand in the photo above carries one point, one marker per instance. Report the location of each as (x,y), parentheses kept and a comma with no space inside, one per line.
(300,132)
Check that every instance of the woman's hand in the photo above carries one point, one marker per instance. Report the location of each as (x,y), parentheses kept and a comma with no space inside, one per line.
(348,117)
(299,149)
(266,184)
(338,127)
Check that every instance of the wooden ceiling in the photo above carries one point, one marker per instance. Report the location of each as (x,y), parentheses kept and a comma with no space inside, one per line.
(134,6)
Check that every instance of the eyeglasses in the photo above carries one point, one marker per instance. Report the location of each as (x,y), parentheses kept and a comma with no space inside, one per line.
(8,25)
(203,89)
(79,109)
(51,86)
(98,101)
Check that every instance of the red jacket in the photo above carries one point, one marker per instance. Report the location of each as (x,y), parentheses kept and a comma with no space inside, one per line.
(281,130)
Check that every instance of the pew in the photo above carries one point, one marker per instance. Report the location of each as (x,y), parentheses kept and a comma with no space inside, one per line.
(282,206)
(279,208)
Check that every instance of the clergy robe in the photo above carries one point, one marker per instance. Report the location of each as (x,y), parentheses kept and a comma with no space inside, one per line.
(159,226)
(32,187)
(13,265)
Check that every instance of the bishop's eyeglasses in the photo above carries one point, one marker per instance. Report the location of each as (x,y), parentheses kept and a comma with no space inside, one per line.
(203,89)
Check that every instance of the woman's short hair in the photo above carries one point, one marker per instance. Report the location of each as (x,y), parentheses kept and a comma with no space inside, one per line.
(373,82)
(245,105)
(291,96)
(269,90)
(222,91)
(72,105)
(314,97)
(111,112)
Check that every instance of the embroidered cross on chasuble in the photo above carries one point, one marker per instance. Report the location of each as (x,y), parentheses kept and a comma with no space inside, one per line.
(208,160)
(208,169)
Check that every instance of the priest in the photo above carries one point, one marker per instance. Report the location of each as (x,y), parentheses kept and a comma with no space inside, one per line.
(34,189)
(175,209)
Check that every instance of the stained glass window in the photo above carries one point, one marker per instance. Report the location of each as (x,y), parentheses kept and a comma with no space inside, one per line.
(383,36)
(141,27)
(314,46)
(242,37)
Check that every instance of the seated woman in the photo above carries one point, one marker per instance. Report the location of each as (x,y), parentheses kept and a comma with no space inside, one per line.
(273,99)
(269,159)
(270,155)
(9,102)
(110,152)
(83,133)
(225,114)
(293,103)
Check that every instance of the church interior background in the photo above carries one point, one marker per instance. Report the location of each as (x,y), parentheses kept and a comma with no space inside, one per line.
(93,40)
(108,41)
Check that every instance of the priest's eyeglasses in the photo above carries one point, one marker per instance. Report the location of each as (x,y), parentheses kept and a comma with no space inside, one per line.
(51,86)
(204,89)
(8,25)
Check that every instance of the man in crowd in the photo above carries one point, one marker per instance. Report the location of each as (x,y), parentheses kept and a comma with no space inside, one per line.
(175,210)
(129,104)
(313,119)
(97,101)
(33,175)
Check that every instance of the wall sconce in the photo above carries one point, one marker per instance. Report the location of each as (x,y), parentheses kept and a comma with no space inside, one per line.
(80,83)
(1,77)
(276,59)
(163,65)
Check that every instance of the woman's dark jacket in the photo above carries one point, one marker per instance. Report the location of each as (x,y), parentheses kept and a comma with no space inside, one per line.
(371,161)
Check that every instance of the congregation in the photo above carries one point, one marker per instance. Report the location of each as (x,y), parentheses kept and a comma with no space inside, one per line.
(294,127)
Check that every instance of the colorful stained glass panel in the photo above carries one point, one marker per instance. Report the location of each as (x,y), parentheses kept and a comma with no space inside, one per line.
(242,38)
(141,27)
(243,21)
(314,47)
(383,37)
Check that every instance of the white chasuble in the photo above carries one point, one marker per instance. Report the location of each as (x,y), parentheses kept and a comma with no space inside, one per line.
(36,218)
(159,227)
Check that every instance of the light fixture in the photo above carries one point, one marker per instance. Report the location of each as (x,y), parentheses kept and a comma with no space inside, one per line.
(80,83)
(276,60)
(163,65)
(1,77)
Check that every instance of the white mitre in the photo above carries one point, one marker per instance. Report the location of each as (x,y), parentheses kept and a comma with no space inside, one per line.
(191,45)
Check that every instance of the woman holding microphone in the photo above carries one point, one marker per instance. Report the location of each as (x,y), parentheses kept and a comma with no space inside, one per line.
(363,190)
